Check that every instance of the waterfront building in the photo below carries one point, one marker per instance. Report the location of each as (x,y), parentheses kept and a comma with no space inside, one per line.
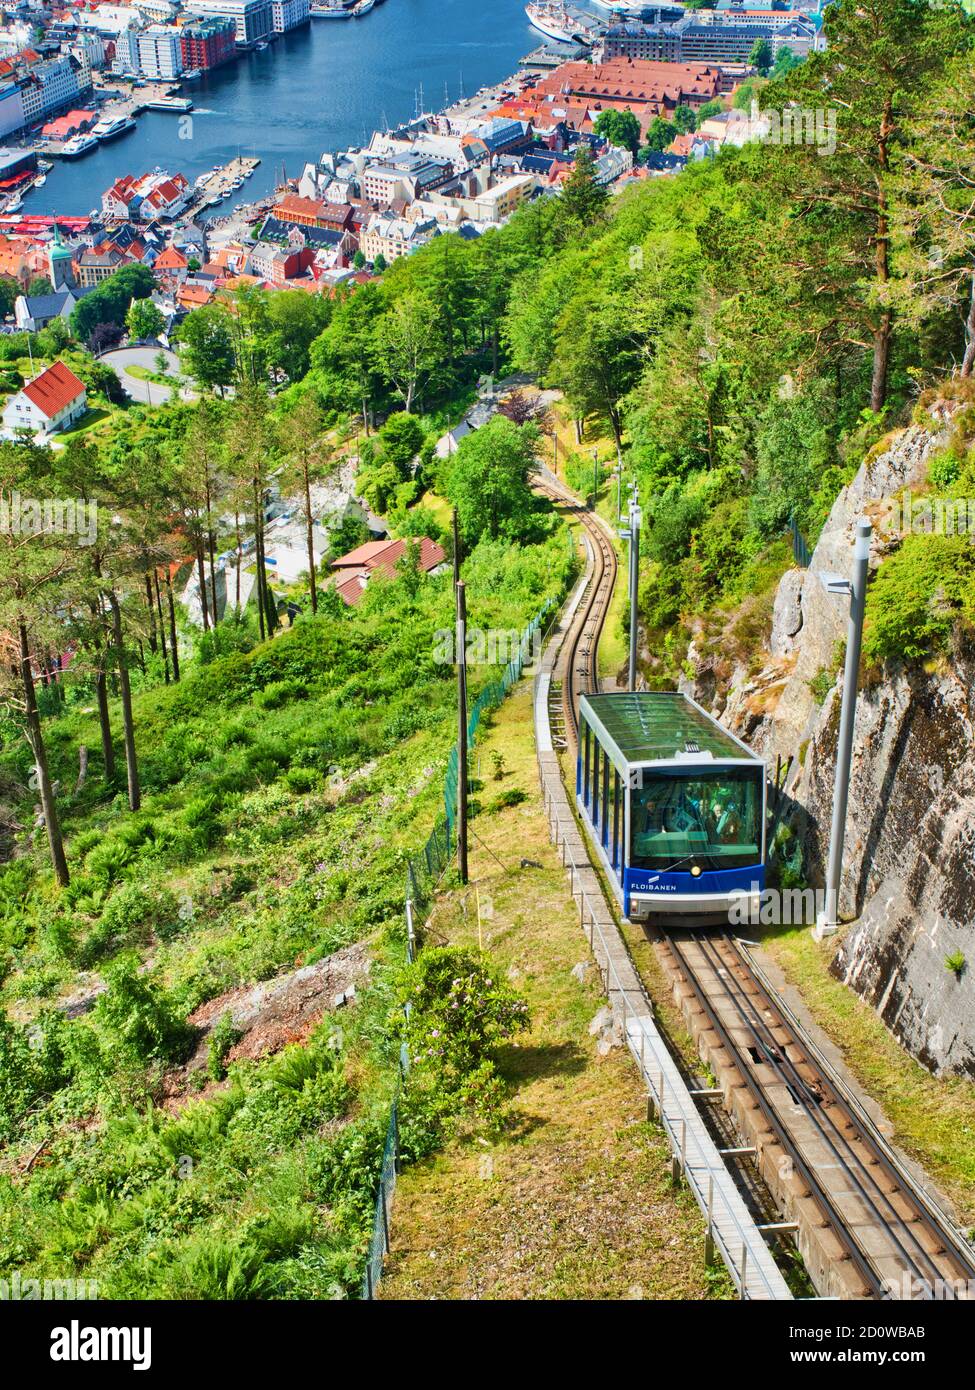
(160,52)
(12,117)
(127,50)
(289,14)
(108,20)
(713,39)
(252,18)
(144,199)
(631,83)
(53,401)
(207,43)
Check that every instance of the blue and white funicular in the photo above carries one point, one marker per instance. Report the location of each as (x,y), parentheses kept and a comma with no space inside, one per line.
(674,805)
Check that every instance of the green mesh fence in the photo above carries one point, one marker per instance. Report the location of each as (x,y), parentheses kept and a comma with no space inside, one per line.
(423,871)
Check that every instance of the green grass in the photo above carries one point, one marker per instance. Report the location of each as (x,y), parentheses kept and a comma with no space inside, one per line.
(91,420)
(572,1198)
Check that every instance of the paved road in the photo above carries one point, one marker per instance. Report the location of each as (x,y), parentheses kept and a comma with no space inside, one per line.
(146,392)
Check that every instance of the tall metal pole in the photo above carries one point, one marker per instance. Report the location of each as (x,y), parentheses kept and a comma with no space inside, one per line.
(462,731)
(595,477)
(634,589)
(456,551)
(828,921)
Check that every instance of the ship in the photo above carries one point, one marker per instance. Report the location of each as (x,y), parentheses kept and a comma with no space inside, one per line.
(336,11)
(363,7)
(77,146)
(111,126)
(554,21)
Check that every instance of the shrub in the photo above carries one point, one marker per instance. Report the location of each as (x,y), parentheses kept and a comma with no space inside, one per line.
(460,1010)
(918,595)
(136,1015)
(301,779)
(279,693)
(223,1035)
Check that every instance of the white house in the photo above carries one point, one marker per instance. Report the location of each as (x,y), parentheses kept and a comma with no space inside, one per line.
(52,402)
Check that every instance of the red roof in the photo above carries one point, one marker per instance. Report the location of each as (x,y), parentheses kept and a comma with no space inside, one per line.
(54,389)
(350,590)
(170,259)
(383,555)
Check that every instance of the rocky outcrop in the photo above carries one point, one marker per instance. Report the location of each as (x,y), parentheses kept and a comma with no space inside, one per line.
(909,865)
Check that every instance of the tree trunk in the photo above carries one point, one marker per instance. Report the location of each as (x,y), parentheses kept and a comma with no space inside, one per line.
(884,330)
(881,362)
(101,696)
(213,577)
(131,764)
(309,532)
(172,625)
(35,737)
(162,625)
(240,554)
(153,644)
(204,606)
(259,557)
(968,361)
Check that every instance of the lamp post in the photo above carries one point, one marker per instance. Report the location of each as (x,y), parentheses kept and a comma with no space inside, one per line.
(827,921)
(635,518)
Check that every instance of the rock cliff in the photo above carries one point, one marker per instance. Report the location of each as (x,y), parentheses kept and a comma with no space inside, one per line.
(909,870)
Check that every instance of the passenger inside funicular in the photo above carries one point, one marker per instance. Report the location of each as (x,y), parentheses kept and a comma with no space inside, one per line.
(713,816)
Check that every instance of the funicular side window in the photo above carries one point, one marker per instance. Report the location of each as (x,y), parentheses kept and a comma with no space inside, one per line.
(616,820)
(586,742)
(605,799)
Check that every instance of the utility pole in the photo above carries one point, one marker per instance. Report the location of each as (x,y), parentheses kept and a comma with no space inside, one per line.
(456,551)
(827,922)
(635,516)
(462,731)
(595,477)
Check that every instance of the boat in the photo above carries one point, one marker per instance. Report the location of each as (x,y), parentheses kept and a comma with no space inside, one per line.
(554,21)
(45,165)
(15,204)
(363,7)
(77,146)
(170,104)
(40,181)
(261,47)
(111,126)
(330,12)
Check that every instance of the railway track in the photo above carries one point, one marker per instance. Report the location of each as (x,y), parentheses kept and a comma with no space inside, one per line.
(578,667)
(890,1238)
(870,1218)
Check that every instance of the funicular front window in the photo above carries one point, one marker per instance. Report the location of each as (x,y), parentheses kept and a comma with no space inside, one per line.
(712,819)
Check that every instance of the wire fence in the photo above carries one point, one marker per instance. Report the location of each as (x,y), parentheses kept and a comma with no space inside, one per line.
(422,874)
(800,547)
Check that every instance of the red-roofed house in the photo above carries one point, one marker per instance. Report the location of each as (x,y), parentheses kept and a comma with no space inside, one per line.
(52,402)
(352,571)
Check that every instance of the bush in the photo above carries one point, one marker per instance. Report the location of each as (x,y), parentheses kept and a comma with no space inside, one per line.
(919,594)
(279,693)
(301,779)
(135,1015)
(223,1035)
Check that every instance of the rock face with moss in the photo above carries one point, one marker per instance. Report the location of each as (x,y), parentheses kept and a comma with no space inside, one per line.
(909,875)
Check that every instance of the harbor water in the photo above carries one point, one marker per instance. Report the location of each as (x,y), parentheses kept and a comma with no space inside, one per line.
(325,86)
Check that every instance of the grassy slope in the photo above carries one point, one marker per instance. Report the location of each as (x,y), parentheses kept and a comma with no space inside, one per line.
(933,1117)
(574,1199)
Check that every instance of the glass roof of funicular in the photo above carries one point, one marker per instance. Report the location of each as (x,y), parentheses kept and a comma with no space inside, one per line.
(652,726)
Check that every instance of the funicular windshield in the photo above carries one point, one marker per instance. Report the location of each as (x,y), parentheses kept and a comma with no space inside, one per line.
(708,818)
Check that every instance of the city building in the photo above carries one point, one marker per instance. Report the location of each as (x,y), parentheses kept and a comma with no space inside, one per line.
(253,19)
(160,52)
(289,14)
(32,312)
(391,237)
(352,571)
(407,176)
(53,401)
(703,35)
(207,43)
